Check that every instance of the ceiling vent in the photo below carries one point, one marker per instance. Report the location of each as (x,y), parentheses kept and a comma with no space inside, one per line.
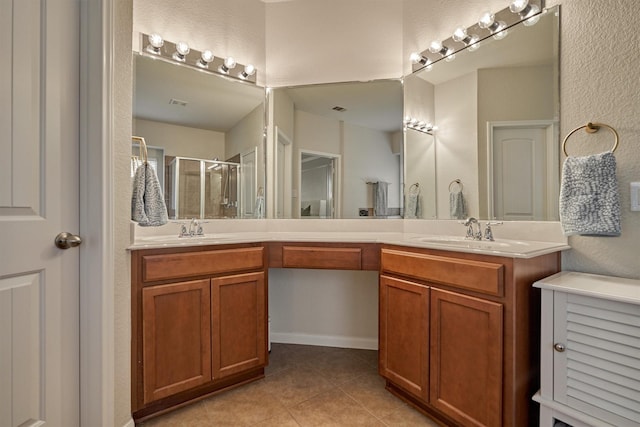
(339,109)
(174,101)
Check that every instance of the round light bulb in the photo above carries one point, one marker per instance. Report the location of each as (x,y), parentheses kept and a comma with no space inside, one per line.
(229,62)
(415,57)
(156,40)
(249,70)
(435,47)
(501,32)
(459,34)
(207,56)
(532,20)
(486,20)
(518,6)
(407,119)
(182,48)
(474,43)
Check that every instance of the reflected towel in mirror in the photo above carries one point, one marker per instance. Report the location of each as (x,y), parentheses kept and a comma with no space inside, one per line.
(589,199)
(380,202)
(413,202)
(147,202)
(457,205)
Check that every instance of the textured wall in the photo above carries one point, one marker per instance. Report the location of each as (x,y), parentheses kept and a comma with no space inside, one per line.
(600,81)
(228,28)
(121,128)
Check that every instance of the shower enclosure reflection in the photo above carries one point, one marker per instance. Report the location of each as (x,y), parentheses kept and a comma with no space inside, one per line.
(198,188)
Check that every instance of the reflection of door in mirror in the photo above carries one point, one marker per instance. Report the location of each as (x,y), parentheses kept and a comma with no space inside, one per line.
(248,183)
(359,122)
(520,189)
(284,146)
(318,184)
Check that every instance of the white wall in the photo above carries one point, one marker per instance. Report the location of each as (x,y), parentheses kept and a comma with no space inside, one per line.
(324,307)
(202,143)
(228,28)
(456,154)
(311,42)
(246,135)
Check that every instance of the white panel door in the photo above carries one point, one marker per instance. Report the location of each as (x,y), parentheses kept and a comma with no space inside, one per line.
(39,288)
(519,176)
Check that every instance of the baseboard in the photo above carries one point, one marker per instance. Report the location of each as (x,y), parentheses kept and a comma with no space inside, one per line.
(325,340)
(130,423)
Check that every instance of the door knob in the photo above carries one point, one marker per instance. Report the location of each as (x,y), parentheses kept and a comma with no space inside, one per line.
(66,240)
(559,347)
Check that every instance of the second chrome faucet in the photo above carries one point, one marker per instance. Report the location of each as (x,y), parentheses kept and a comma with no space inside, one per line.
(475,233)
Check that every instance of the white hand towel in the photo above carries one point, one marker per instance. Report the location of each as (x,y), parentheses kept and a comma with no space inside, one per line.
(589,199)
(147,202)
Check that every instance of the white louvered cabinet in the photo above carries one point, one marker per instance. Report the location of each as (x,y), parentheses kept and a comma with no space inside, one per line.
(590,351)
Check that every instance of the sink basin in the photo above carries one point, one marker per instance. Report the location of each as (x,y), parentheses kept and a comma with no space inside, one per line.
(175,239)
(500,244)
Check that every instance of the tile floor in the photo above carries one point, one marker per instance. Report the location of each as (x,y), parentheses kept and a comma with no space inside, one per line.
(304,386)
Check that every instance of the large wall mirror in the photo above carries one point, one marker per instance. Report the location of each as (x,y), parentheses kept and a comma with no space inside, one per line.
(338,150)
(205,134)
(496,109)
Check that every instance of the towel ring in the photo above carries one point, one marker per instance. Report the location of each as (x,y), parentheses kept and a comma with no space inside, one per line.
(590,128)
(456,181)
(143,148)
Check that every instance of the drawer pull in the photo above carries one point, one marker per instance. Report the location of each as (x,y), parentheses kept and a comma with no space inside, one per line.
(559,347)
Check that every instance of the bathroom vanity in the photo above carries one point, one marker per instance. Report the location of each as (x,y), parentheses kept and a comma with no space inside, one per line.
(458,325)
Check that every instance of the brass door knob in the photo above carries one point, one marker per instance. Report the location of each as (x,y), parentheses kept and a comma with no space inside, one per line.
(66,240)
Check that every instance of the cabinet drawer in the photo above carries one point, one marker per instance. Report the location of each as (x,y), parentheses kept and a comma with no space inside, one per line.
(478,276)
(189,264)
(321,257)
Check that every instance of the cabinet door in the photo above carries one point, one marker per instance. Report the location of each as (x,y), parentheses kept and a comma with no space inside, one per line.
(238,323)
(404,335)
(597,370)
(466,358)
(177,338)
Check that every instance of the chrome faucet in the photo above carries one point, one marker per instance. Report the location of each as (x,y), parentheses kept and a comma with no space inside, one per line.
(194,229)
(488,232)
(471,234)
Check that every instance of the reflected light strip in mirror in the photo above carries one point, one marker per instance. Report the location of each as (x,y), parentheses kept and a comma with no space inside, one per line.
(419,125)
(489,25)
(153,45)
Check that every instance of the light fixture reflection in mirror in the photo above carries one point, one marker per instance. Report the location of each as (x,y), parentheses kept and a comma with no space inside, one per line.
(498,112)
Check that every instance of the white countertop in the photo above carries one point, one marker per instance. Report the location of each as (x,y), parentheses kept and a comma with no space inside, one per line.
(388,232)
(593,285)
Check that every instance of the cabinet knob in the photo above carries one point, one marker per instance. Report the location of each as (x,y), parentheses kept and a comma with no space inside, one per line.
(559,347)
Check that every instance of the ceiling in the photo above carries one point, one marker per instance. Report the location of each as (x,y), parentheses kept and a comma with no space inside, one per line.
(213,102)
(374,105)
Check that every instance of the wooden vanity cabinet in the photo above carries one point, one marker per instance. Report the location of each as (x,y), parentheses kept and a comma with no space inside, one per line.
(199,323)
(458,333)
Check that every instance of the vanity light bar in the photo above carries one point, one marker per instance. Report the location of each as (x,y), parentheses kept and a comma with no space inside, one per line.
(420,126)
(527,11)
(152,45)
